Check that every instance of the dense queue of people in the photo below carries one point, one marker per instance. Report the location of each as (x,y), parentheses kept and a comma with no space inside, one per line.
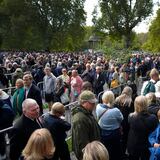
(116,126)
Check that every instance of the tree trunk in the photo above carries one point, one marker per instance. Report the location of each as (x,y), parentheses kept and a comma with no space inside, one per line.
(127,40)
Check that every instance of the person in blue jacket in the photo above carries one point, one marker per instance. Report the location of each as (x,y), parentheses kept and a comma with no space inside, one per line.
(154,139)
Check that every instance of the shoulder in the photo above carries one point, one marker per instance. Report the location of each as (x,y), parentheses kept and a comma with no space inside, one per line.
(132,116)
(34,88)
(45,116)
(20,122)
(145,83)
(152,117)
(114,110)
(81,117)
(100,107)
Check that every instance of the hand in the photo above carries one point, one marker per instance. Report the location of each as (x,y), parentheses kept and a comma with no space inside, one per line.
(156,145)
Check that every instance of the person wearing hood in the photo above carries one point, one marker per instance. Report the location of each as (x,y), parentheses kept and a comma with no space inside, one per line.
(85,128)
(5,98)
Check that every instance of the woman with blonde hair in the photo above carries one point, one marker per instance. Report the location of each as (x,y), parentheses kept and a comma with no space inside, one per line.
(125,104)
(109,120)
(40,146)
(95,151)
(142,123)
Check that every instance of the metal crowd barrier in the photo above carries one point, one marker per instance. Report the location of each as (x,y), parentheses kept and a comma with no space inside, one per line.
(117,90)
(9,90)
(40,86)
(9,74)
(68,114)
(6,129)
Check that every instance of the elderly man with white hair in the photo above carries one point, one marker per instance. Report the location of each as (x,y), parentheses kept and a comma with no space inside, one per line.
(24,127)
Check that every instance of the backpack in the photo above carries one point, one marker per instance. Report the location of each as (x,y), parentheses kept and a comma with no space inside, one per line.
(114,83)
(149,88)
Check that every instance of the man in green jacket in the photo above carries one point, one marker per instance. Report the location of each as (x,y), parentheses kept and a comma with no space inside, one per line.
(85,127)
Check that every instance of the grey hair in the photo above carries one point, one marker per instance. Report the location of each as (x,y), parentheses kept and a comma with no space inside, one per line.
(27,103)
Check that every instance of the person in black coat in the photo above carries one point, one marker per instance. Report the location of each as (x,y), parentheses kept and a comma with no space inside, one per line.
(87,75)
(31,90)
(99,81)
(142,123)
(23,128)
(58,127)
(125,104)
(153,105)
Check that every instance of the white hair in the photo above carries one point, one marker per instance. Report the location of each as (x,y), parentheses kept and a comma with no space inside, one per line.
(27,103)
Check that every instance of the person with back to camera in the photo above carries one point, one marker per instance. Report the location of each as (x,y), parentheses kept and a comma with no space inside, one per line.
(125,104)
(40,146)
(95,151)
(58,127)
(109,120)
(153,105)
(142,123)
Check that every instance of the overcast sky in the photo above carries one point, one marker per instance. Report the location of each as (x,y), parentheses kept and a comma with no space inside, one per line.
(141,27)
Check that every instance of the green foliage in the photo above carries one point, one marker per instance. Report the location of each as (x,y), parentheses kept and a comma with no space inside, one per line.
(153,41)
(69,143)
(42,24)
(114,49)
(119,17)
(139,41)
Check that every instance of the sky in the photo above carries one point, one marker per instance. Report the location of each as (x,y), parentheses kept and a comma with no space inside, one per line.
(141,27)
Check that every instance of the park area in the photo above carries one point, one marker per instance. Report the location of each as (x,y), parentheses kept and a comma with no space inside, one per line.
(79,80)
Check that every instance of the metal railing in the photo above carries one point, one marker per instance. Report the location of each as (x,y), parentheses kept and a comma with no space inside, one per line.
(117,90)
(40,86)
(6,129)
(9,74)
(9,90)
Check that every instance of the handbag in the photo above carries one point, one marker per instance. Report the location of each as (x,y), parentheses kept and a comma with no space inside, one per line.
(64,97)
(75,93)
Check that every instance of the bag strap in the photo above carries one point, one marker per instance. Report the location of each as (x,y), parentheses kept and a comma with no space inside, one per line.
(103,113)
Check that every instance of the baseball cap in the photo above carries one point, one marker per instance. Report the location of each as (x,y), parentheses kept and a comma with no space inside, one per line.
(87,96)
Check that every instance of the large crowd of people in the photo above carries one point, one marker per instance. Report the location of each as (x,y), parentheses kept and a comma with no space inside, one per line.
(106,123)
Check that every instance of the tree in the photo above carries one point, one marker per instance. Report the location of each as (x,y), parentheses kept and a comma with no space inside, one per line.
(119,17)
(44,24)
(153,40)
